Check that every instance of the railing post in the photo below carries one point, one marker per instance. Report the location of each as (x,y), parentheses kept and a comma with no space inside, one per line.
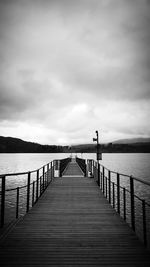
(53,168)
(51,171)
(40,185)
(103,180)
(17,203)
(132,202)
(86,169)
(109,186)
(47,167)
(113,195)
(98,174)
(43,178)
(3,201)
(37,185)
(95,170)
(92,168)
(144,223)
(33,189)
(28,192)
(106,186)
(124,204)
(47,174)
(118,193)
(100,180)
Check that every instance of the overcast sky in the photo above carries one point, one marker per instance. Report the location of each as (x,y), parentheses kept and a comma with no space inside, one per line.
(70,67)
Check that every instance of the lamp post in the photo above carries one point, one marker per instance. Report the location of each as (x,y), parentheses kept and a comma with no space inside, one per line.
(98,154)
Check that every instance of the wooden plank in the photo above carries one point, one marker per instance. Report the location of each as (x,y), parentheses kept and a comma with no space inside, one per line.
(72,225)
(73,169)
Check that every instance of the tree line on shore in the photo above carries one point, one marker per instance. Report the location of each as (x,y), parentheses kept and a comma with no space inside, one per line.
(15,145)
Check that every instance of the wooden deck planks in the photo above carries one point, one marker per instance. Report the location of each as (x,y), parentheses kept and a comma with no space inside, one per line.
(72,225)
(73,169)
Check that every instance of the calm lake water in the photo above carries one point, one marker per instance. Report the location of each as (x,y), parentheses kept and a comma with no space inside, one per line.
(137,165)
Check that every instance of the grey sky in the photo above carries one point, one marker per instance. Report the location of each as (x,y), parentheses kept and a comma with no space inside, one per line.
(68,68)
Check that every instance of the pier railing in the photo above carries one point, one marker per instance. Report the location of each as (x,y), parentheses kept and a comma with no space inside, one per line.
(20,191)
(63,165)
(82,164)
(129,196)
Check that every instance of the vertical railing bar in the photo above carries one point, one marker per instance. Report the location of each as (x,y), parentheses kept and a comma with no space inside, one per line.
(144,223)
(37,185)
(51,170)
(106,186)
(100,180)
(3,201)
(47,175)
(103,180)
(132,203)
(109,185)
(17,203)
(92,168)
(86,169)
(33,189)
(40,185)
(118,193)
(98,170)
(43,178)
(124,204)
(28,192)
(113,195)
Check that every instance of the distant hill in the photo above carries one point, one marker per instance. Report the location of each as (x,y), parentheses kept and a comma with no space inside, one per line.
(84,147)
(15,145)
(136,145)
(132,141)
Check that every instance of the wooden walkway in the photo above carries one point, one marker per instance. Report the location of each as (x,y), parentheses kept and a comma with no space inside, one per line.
(73,169)
(72,225)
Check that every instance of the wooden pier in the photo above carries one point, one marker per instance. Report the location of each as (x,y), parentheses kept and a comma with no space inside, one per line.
(72,224)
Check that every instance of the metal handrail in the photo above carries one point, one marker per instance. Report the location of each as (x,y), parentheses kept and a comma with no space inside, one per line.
(116,195)
(38,186)
(22,173)
(127,175)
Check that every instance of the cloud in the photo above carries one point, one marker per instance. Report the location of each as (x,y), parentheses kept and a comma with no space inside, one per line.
(63,64)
